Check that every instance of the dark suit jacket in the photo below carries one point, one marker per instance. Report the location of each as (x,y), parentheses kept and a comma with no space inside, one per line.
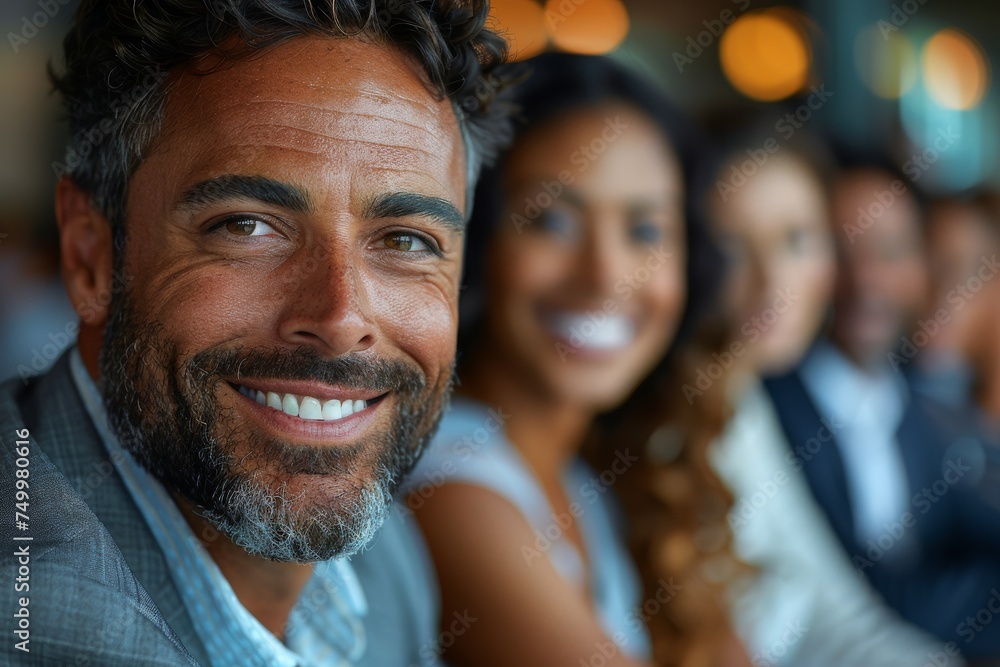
(100,591)
(943,566)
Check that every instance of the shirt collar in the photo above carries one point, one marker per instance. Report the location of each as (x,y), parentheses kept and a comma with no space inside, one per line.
(851,394)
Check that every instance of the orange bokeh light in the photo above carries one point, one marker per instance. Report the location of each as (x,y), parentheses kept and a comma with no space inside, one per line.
(955,69)
(766,55)
(522,24)
(586,26)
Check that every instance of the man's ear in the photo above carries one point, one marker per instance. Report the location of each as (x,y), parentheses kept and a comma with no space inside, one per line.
(85,240)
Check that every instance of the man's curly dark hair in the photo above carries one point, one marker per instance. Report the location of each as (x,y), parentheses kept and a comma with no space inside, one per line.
(119,54)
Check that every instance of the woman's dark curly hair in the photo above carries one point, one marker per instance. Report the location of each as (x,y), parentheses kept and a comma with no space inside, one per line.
(119,55)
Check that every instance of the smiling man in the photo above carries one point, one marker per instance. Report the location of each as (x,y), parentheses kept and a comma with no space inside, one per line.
(261,228)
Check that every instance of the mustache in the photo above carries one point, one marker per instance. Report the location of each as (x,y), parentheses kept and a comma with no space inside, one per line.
(351,371)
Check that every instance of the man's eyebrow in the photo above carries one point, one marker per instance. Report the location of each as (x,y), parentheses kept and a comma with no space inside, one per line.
(404,204)
(258,188)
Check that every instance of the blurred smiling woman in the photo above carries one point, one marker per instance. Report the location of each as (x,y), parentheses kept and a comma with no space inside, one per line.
(577,269)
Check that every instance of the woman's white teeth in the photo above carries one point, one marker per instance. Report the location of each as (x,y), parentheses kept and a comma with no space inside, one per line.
(305,407)
(584,331)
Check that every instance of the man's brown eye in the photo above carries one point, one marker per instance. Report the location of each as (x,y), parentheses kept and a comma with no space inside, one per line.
(247,227)
(242,227)
(405,243)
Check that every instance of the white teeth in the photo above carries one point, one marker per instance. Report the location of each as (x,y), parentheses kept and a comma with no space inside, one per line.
(331,410)
(310,409)
(305,407)
(583,331)
(290,405)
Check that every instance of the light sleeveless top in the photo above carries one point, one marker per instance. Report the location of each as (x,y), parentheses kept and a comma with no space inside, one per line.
(470,447)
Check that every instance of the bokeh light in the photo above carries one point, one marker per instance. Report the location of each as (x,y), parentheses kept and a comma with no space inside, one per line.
(586,26)
(522,23)
(887,64)
(766,55)
(955,70)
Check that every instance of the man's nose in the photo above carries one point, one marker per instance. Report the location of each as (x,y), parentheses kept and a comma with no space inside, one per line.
(869,276)
(326,305)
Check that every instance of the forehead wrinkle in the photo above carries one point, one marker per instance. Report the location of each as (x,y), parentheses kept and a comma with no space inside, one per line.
(429,103)
(364,81)
(325,145)
(363,92)
(322,127)
(335,123)
(379,159)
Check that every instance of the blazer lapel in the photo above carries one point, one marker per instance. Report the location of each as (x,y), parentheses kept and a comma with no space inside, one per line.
(71,442)
(820,460)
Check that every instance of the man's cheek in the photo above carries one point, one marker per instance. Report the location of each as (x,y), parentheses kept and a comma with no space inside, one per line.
(423,325)
(202,311)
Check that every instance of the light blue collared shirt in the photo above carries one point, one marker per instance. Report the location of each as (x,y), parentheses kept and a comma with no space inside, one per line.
(868,407)
(325,628)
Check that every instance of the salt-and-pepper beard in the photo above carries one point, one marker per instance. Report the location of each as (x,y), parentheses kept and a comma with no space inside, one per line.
(166,414)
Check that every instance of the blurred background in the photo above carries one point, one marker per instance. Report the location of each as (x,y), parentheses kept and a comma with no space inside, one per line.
(896,76)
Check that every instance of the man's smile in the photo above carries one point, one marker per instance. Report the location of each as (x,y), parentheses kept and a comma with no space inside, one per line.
(334,415)
(306,407)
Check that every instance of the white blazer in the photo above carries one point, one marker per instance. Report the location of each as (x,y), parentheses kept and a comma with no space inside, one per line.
(807,606)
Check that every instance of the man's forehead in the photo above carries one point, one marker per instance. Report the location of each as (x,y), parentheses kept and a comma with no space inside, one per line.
(887,202)
(321,68)
(315,97)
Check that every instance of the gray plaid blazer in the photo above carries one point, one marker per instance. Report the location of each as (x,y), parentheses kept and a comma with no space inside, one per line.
(100,592)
